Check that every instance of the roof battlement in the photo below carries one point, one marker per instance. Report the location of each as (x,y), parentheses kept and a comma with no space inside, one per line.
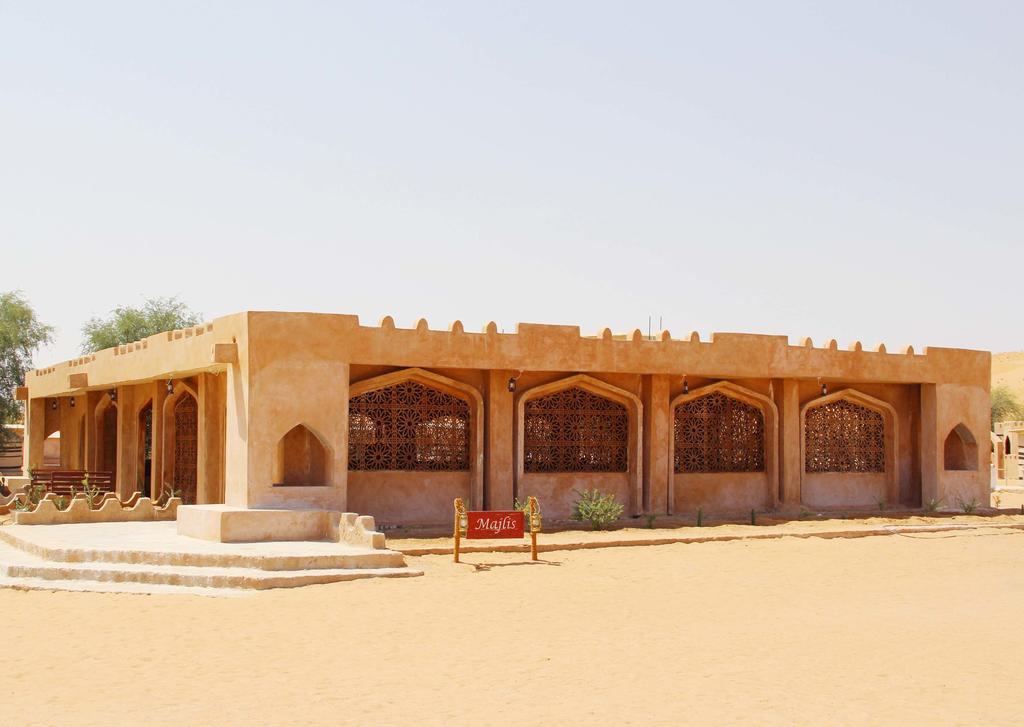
(530,346)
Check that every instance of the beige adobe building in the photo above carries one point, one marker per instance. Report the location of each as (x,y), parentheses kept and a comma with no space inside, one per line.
(1008,451)
(264,410)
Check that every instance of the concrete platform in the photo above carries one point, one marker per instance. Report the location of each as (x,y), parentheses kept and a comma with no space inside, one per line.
(150,557)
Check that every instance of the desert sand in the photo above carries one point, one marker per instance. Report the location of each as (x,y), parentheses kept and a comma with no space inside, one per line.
(921,628)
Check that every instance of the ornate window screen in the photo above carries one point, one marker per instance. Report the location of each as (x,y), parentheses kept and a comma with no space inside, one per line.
(844,437)
(186,443)
(408,427)
(575,431)
(717,433)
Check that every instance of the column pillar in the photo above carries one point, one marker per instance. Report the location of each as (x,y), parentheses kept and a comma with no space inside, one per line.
(499,442)
(127,443)
(35,435)
(210,455)
(928,442)
(657,432)
(789,443)
(156,436)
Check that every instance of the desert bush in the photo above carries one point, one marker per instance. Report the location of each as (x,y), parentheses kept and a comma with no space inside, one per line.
(969,506)
(932,505)
(596,507)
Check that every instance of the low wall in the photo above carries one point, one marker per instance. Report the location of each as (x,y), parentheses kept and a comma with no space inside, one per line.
(557,491)
(407,497)
(842,489)
(110,511)
(722,491)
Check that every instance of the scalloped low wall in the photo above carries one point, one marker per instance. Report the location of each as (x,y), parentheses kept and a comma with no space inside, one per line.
(110,511)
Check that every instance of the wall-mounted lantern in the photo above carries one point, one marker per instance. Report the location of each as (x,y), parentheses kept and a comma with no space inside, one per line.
(113,394)
(53,404)
(686,385)
(513,381)
(71,402)
(170,386)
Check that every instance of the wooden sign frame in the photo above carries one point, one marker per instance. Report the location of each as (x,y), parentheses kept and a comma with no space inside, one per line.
(461,525)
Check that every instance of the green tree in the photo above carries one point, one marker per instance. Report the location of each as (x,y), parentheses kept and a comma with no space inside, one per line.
(21,334)
(126,324)
(1005,405)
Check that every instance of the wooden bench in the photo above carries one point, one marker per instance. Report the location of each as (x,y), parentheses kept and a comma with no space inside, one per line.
(67,482)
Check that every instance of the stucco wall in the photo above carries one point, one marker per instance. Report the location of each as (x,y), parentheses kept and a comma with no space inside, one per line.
(840,489)
(556,492)
(720,491)
(407,497)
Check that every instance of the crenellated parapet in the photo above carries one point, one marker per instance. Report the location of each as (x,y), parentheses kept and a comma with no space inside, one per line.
(280,337)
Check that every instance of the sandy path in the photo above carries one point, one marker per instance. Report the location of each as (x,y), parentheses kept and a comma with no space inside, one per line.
(901,629)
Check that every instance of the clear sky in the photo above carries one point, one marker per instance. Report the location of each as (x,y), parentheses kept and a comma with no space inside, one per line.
(848,170)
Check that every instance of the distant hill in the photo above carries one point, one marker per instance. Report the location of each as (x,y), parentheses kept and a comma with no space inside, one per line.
(1008,370)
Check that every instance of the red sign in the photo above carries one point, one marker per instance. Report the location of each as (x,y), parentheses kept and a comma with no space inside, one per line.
(496,524)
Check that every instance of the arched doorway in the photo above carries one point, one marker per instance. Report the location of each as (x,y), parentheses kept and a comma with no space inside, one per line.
(108,442)
(186,447)
(145,450)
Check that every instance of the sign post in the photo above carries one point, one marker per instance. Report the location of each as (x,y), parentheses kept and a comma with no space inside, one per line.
(484,525)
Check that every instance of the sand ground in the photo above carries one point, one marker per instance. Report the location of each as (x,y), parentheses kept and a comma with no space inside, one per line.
(910,629)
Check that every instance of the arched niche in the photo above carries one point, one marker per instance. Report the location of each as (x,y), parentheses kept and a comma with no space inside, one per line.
(301,459)
(848,457)
(960,450)
(748,482)
(558,487)
(423,492)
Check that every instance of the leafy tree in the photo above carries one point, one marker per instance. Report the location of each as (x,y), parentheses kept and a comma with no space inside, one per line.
(1005,405)
(21,334)
(126,324)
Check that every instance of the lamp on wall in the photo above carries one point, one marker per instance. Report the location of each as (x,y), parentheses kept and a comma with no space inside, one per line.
(824,387)
(686,385)
(170,386)
(512,381)
(53,404)
(113,394)
(71,402)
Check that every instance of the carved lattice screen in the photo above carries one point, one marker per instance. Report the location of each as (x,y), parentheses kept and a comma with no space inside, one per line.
(844,437)
(575,431)
(186,441)
(408,427)
(716,433)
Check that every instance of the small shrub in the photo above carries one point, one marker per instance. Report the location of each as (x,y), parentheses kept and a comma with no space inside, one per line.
(650,522)
(932,505)
(881,503)
(804,512)
(700,517)
(596,507)
(61,502)
(92,492)
(967,507)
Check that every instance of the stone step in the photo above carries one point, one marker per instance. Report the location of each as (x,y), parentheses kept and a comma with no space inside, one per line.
(192,576)
(277,556)
(145,589)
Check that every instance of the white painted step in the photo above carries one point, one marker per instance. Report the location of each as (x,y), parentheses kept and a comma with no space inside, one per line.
(143,589)
(195,576)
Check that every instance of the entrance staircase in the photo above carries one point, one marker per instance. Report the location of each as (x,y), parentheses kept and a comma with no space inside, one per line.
(149,557)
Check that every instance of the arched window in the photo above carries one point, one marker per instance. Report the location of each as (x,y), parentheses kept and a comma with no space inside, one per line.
(574,430)
(301,458)
(843,436)
(408,427)
(717,433)
(960,451)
